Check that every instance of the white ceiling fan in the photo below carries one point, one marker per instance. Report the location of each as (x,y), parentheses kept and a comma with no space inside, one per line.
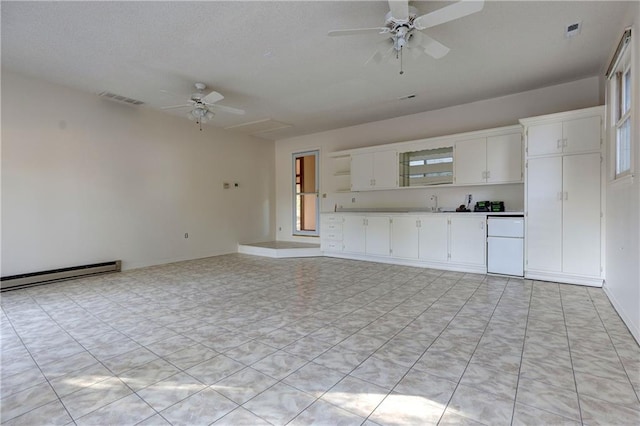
(403,27)
(203,105)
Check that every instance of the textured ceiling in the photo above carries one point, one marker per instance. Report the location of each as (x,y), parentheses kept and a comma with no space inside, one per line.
(275,60)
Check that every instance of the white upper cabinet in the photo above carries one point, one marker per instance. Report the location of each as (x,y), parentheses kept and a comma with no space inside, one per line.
(470,161)
(492,159)
(567,136)
(582,134)
(490,156)
(374,170)
(504,158)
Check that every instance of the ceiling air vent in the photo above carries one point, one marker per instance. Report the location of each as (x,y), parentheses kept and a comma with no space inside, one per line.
(411,96)
(572,30)
(119,98)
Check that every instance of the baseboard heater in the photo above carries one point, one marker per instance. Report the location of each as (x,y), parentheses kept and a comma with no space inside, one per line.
(15,282)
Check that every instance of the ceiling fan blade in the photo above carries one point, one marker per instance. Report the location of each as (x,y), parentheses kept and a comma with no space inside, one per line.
(227,109)
(212,97)
(399,9)
(448,13)
(380,55)
(356,31)
(177,106)
(430,46)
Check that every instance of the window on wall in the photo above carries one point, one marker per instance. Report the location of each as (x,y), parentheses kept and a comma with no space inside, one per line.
(305,193)
(620,102)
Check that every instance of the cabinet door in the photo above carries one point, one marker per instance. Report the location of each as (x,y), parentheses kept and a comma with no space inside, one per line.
(404,237)
(385,169)
(433,238)
(378,236)
(361,172)
(582,134)
(470,161)
(544,139)
(504,158)
(468,240)
(581,214)
(353,234)
(544,214)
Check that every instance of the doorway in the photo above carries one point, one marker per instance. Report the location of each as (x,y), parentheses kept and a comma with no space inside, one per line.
(305,193)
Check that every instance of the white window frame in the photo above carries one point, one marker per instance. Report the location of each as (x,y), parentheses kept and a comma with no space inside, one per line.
(619,116)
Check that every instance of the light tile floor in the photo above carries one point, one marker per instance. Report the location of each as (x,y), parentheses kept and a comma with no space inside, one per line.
(243,340)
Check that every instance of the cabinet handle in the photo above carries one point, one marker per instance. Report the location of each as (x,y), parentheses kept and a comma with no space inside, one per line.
(565,142)
(559,196)
(488,174)
(559,144)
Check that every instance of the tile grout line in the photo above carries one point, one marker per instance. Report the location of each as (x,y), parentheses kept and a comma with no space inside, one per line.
(524,341)
(474,349)
(39,368)
(573,371)
(614,346)
(387,341)
(336,344)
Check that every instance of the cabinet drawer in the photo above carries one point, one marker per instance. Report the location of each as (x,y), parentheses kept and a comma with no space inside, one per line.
(332,235)
(332,227)
(332,219)
(331,245)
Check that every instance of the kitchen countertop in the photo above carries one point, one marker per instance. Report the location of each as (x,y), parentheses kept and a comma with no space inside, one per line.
(419,210)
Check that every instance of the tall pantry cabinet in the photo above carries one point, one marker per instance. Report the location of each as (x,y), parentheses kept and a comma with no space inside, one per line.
(563,197)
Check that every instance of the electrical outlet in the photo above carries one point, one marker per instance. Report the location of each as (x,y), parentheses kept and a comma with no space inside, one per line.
(353,200)
(186,235)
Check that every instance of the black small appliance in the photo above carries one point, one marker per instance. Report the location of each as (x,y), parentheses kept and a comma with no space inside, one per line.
(482,206)
(497,206)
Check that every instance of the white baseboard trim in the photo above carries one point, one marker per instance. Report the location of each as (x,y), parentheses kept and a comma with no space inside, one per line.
(626,318)
(408,262)
(563,278)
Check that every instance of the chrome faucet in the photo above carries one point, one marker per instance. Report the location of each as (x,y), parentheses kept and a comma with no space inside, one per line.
(434,198)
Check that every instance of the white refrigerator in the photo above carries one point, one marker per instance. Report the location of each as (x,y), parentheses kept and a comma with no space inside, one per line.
(505,245)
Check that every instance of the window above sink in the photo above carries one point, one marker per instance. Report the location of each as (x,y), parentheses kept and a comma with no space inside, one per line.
(426,167)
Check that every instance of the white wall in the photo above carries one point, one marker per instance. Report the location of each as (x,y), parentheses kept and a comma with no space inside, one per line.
(485,114)
(85,180)
(623,209)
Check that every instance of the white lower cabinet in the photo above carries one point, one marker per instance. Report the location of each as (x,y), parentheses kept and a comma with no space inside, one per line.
(405,241)
(468,240)
(434,238)
(331,233)
(366,235)
(353,234)
(445,241)
(377,236)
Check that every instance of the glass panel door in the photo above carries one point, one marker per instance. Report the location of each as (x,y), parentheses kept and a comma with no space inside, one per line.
(305,193)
